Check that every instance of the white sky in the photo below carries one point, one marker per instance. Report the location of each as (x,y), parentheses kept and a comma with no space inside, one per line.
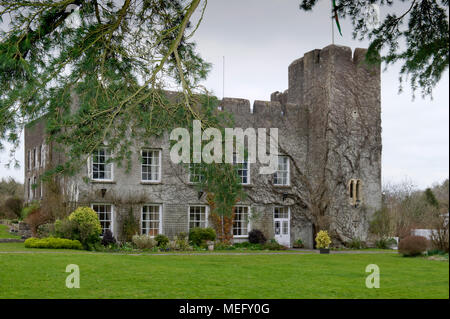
(260,38)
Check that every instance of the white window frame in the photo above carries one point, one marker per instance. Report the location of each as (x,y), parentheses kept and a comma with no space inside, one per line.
(91,167)
(29,160)
(111,225)
(160,211)
(288,171)
(190,175)
(43,155)
(35,153)
(159,168)
(248,168)
(189,214)
(248,221)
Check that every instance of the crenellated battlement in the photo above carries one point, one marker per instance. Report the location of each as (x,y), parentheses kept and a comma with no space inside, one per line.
(306,77)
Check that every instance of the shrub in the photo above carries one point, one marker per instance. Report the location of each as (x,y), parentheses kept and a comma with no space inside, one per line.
(182,243)
(199,236)
(64,229)
(412,245)
(273,245)
(87,227)
(183,235)
(162,240)
(144,241)
(36,218)
(440,234)
(108,238)
(46,230)
(27,210)
(255,236)
(298,244)
(323,239)
(356,243)
(13,206)
(433,252)
(52,242)
(224,246)
(130,226)
(385,243)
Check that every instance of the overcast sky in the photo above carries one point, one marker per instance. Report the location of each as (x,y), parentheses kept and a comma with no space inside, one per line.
(260,38)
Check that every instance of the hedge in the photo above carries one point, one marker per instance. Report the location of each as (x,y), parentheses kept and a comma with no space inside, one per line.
(51,242)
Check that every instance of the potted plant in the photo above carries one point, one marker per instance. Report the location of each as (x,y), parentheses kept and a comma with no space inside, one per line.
(323,242)
(210,244)
(298,244)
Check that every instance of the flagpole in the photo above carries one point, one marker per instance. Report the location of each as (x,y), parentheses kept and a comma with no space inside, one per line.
(332,25)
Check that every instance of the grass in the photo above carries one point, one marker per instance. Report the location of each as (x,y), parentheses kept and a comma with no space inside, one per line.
(4,233)
(103,275)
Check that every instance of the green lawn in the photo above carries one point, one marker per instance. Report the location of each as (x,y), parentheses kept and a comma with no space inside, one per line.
(103,275)
(4,233)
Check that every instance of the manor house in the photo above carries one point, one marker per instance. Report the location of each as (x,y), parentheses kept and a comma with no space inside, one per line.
(329,167)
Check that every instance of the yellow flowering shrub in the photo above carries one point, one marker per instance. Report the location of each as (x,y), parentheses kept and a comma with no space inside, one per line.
(323,240)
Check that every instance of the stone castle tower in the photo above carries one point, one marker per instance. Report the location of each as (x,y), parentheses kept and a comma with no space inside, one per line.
(329,130)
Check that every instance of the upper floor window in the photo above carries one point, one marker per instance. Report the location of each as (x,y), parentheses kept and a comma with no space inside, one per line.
(355,191)
(29,160)
(195,173)
(151,165)
(151,220)
(198,216)
(102,168)
(43,155)
(241,221)
(281,176)
(35,158)
(243,169)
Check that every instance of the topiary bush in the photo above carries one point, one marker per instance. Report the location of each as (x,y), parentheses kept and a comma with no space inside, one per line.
(144,242)
(198,236)
(162,240)
(51,242)
(413,246)
(86,226)
(255,236)
(108,238)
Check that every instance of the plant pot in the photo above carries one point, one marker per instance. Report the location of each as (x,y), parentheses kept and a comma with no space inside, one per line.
(324,250)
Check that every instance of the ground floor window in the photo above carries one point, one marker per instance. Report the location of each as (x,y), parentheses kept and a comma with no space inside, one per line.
(240,221)
(197,216)
(105,216)
(151,220)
